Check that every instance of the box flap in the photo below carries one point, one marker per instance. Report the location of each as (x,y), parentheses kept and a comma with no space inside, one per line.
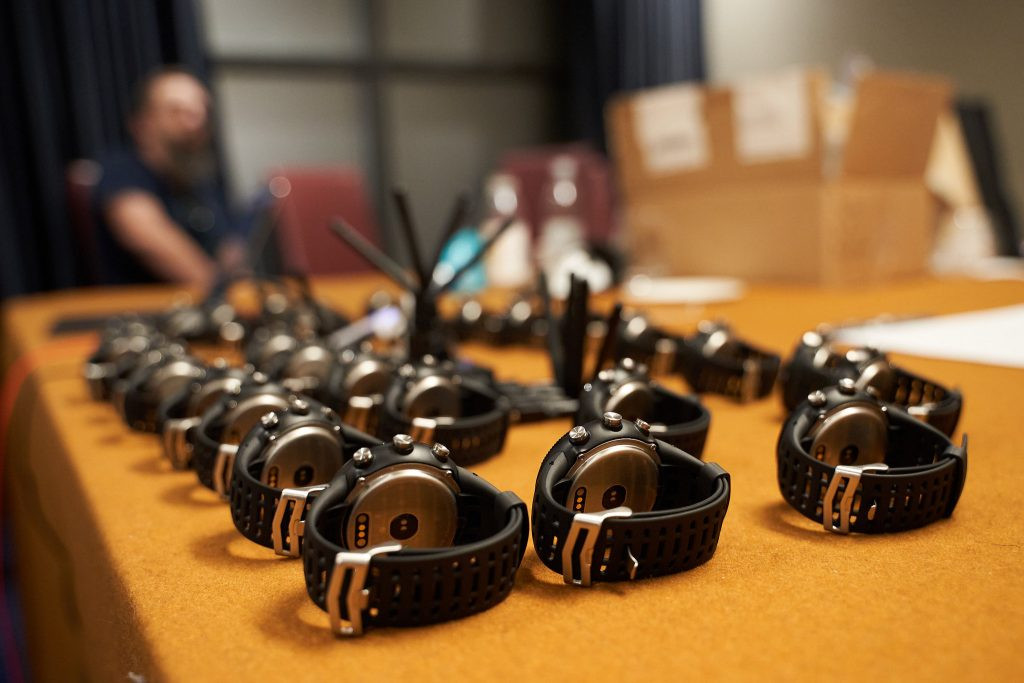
(893,124)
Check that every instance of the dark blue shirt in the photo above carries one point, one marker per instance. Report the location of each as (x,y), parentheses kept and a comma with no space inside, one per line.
(200,211)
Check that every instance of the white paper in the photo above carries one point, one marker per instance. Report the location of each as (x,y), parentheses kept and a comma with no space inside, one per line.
(993,337)
(670,128)
(771,117)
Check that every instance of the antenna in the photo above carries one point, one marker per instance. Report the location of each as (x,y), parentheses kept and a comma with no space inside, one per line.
(441,289)
(456,220)
(611,329)
(372,254)
(554,336)
(405,221)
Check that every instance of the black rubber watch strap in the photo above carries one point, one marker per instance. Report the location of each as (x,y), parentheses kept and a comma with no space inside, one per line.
(436,584)
(922,484)
(686,420)
(682,531)
(747,376)
(471,439)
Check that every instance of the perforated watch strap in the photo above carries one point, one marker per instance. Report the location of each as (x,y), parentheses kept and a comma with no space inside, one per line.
(471,439)
(682,531)
(686,421)
(204,454)
(749,375)
(922,484)
(414,587)
(926,399)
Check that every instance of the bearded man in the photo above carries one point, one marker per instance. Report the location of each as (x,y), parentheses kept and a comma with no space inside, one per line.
(161,215)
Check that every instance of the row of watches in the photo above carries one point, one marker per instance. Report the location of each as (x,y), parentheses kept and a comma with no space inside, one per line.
(355,463)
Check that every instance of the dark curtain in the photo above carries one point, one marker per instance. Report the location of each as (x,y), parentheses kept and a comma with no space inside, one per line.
(617,45)
(67,71)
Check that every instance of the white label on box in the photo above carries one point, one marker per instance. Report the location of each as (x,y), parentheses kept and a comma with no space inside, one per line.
(670,128)
(771,117)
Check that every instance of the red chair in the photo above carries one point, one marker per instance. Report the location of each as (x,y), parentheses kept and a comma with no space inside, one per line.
(81,177)
(307,199)
(594,182)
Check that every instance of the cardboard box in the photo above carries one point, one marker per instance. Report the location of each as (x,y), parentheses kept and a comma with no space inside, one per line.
(743,180)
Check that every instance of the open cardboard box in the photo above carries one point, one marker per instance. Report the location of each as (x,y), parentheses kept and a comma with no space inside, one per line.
(744,180)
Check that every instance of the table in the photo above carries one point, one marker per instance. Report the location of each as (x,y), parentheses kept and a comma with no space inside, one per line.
(128,566)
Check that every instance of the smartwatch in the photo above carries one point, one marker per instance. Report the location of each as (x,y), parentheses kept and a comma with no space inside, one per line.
(280,466)
(817,362)
(627,389)
(357,384)
(304,368)
(714,360)
(852,462)
(123,343)
(432,401)
(179,415)
(613,503)
(159,375)
(227,422)
(404,537)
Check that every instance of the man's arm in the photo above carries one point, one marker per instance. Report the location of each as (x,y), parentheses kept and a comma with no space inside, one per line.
(140,223)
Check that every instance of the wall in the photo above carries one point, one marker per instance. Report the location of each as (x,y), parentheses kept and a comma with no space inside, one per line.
(452,84)
(977,44)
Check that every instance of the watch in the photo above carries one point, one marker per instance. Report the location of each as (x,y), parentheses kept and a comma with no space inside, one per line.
(179,415)
(225,424)
(159,374)
(280,467)
(818,362)
(627,389)
(357,384)
(404,537)
(123,343)
(613,503)
(852,462)
(432,401)
(714,360)
(304,368)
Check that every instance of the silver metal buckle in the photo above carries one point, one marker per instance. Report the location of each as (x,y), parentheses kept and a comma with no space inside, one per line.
(288,545)
(423,429)
(222,469)
(355,566)
(664,358)
(360,412)
(176,446)
(589,523)
(851,475)
(750,384)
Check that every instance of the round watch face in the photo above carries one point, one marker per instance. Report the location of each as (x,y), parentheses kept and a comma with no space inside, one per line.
(174,376)
(367,377)
(618,473)
(313,361)
(414,505)
(632,399)
(433,396)
(878,375)
(305,455)
(210,392)
(855,433)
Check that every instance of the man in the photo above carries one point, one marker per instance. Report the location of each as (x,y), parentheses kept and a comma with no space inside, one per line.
(161,215)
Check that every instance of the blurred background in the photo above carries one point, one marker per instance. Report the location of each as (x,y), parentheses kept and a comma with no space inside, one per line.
(321,107)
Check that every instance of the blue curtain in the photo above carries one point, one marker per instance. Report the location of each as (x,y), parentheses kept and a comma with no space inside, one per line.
(617,45)
(67,70)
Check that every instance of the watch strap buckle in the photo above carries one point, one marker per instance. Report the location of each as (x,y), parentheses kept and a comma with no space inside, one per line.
(422,429)
(577,562)
(293,504)
(851,476)
(223,467)
(176,443)
(361,412)
(750,381)
(350,572)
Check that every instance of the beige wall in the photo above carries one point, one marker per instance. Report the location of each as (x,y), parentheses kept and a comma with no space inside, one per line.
(980,45)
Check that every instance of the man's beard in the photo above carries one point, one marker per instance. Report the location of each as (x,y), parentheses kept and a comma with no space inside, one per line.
(190,167)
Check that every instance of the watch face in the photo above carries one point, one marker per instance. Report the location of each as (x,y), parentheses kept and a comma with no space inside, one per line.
(618,473)
(878,375)
(433,396)
(312,361)
(632,399)
(209,392)
(305,455)
(412,504)
(173,377)
(368,377)
(855,433)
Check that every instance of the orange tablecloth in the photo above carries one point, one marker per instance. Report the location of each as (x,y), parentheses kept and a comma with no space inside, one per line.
(127,566)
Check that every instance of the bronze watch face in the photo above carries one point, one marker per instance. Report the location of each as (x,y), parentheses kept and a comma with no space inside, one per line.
(618,473)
